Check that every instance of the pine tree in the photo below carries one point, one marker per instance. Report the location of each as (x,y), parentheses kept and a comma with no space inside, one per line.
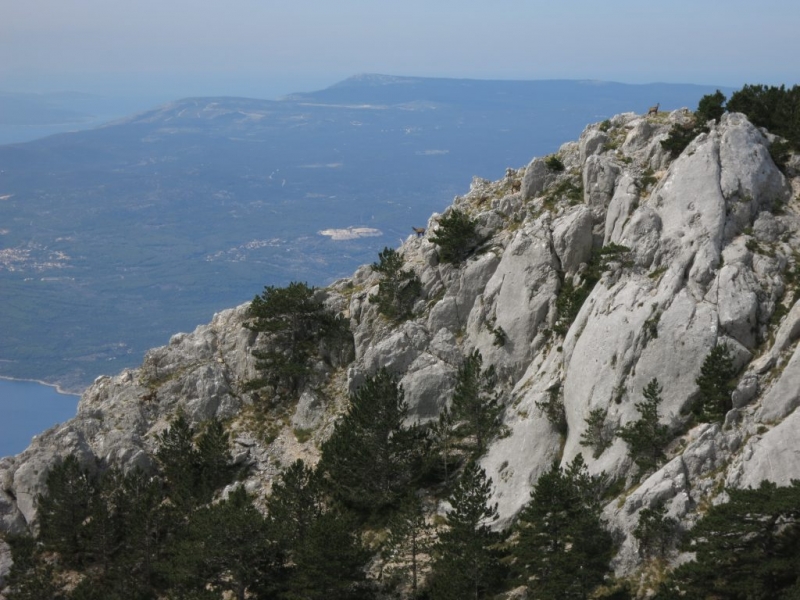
(104,529)
(711,106)
(295,321)
(715,383)
(442,435)
(64,510)
(371,458)
(476,403)
(120,533)
(466,563)
(563,551)
(147,521)
(655,532)
(398,289)
(407,540)
(457,236)
(745,549)
(295,503)
(177,459)
(227,549)
(194,470)
(214,463)
(597,435)
(330,562)
(647,437)
(30,578)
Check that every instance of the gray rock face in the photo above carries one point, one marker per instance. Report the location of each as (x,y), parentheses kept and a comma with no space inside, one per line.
(309,412)
(5,563)
(572,238)
(537,177)
(707,262)
(640,135)
(600,176)
(783,397)
(119,416)
(622,204)
(517,299)
(453,310)
(592,142)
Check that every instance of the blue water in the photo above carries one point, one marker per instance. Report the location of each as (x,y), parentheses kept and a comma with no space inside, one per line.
(28,408)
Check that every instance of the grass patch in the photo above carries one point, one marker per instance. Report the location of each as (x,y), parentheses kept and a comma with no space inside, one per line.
(302,435)
(566,190)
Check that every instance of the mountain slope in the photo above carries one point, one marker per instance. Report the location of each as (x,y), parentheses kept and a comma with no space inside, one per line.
(689,254)
(150,224)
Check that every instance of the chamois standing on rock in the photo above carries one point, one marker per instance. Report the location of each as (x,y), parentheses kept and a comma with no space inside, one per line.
(515,184)
(420,231)
(653,110)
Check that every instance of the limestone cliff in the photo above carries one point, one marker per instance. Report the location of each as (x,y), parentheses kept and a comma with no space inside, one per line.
(705,248)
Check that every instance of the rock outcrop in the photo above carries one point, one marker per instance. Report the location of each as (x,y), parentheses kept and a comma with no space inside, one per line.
(705,251)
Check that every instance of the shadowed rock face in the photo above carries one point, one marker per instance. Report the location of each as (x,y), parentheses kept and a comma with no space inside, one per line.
(701,258)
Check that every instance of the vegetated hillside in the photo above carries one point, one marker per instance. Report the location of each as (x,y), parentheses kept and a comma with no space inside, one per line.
(114,238)
(623,314)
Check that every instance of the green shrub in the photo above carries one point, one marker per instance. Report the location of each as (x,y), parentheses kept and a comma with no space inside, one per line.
(648,179)
(569,301)
(776,108)
(554,164)
(711,106)
(597,434)
(552,407)
(570,297)
(781,152)
(302,435)
(566,189)
(500,336)
(680,136)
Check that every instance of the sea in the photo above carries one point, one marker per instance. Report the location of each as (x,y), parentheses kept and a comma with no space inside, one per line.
(27,408)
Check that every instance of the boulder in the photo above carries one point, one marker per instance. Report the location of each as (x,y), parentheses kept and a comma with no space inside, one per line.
(537,177)
(572,238)
(591,143)
(600,176)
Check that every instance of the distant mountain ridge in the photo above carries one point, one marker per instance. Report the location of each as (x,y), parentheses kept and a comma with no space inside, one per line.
(386,89)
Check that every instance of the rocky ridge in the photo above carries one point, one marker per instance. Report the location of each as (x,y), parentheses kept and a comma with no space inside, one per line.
(706,247)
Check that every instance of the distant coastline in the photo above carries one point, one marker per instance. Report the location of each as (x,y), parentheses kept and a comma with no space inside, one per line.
(29,407)
(57,387)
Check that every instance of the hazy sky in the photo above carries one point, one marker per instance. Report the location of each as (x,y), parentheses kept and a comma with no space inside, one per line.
(270,47)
